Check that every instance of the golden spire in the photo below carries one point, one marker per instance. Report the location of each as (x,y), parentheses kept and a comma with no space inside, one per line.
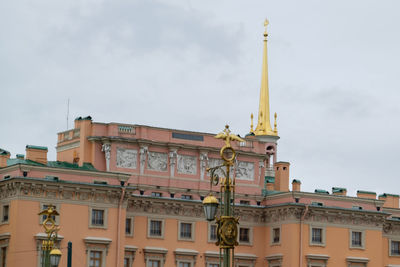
(275,124)
(264,124)
(251,125)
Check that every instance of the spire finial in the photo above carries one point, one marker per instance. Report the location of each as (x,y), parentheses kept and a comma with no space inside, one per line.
(275,124)
(266,22)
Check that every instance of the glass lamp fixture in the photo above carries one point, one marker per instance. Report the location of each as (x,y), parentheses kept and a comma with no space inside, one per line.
(210,204)
(55,256)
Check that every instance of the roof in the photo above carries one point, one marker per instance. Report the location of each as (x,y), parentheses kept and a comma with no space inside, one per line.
(366,192)
(4,152)
(53,164)
(36,147)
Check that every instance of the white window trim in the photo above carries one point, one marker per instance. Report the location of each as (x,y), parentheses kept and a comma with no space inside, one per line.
(250,243)
(103,256)
(154,253)
(162,228)
(390,246)
(272,243)
(193,228)
(132,226)
(105,219)
(209,240)
(357,260)
(41,207)
(362,247)
(4,239)
(323,243)
(130,252)
(39,237)
(311,258)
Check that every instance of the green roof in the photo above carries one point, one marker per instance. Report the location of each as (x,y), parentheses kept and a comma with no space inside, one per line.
(4,152)
(269,179)
(55,164)
(37,147)
(366,192)
(20,156)
(321,191)
(296,181)
(338,189)
(386,195)
(269,192)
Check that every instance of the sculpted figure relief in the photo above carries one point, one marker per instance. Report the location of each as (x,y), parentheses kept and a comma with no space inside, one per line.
(127,158)
(157,161)
(245,170)
(187,164)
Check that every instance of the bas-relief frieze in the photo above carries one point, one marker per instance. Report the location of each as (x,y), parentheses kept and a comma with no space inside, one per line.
(157,161)
(212,162)
(245,170)
(127,158)
(187,164)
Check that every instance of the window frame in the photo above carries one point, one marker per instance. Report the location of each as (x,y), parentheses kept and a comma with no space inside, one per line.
(244,243)
(272,241)
(192,229)
(210,225)
(56,205)
(149,219)
(105,217)
(132,223)
(351,231)
(2,213)
(390,246)
(323,235)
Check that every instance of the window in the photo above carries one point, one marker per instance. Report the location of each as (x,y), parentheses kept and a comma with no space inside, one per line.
(186,231)
(187,197)
(213,265)
(98,217)
(45,206)
(357,239)
(184,264)
(129,226)
(3,256)
(95,259)
(156,194)
(394,248)
(244,235)
(244,202)
(6,210)
(212,236)
(127,262)
(276,235)
(153,263)
(155,228)
(317,235)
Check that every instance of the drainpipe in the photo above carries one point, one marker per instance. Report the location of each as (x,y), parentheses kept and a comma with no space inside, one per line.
(301,237)
(119,222)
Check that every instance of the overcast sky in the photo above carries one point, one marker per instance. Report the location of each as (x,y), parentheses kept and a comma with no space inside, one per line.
(196,65)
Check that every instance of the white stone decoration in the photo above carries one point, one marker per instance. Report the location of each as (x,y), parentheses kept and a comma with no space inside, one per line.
(213,163)
(203,164)
(143,152)
(157,161)
(187,164)
(172,161)
(245,170)
(106,148)
(261,165)
(127,158)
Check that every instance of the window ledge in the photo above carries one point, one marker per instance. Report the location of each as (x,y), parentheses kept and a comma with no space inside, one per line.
(97,240)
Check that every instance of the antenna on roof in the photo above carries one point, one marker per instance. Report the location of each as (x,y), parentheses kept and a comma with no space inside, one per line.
(67,112)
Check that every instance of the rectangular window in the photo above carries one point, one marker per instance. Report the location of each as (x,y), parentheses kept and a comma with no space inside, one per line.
(155,228)
(128,226)
(244,235)
(95,259)
(6,210)
(186,231)
(184,264)
(97,217)
(187,197)
(156,194)
(45,207)
(153,263)
(213,232)
(316,236)
(3,256)
(276,235)
(395,248)
(213,265)
(244,202)
(356,239)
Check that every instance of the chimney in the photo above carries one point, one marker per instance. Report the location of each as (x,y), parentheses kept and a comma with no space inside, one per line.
(391,201)
(282,176)
(366,194)
(339,191)
(4,156)
(296,184)
(270,186)
(37,154)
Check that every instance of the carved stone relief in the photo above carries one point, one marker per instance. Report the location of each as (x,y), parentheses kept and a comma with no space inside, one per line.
(187,164)
(245,170)
(127,158)
(143,153)
(106,148)
(157,161)
(172,161)
(213,163)
(203,164)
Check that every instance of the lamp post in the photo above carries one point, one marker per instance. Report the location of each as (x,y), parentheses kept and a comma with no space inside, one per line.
(227,229)
(50,254)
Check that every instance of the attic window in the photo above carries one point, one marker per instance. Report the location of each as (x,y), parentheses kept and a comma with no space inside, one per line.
(6,177)
(357,207)
(318,204)
(100,182)
(284,168)
(244,202)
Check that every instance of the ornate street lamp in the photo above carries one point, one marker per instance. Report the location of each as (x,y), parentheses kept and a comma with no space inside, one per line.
(227,229)
(51,255)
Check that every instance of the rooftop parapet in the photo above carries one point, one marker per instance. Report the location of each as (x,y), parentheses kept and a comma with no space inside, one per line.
(339,191)
(4,156)
(391,200)
(366,194)
(296,185)
(37,153)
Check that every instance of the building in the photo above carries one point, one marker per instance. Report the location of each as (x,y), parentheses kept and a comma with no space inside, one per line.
(130,195)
